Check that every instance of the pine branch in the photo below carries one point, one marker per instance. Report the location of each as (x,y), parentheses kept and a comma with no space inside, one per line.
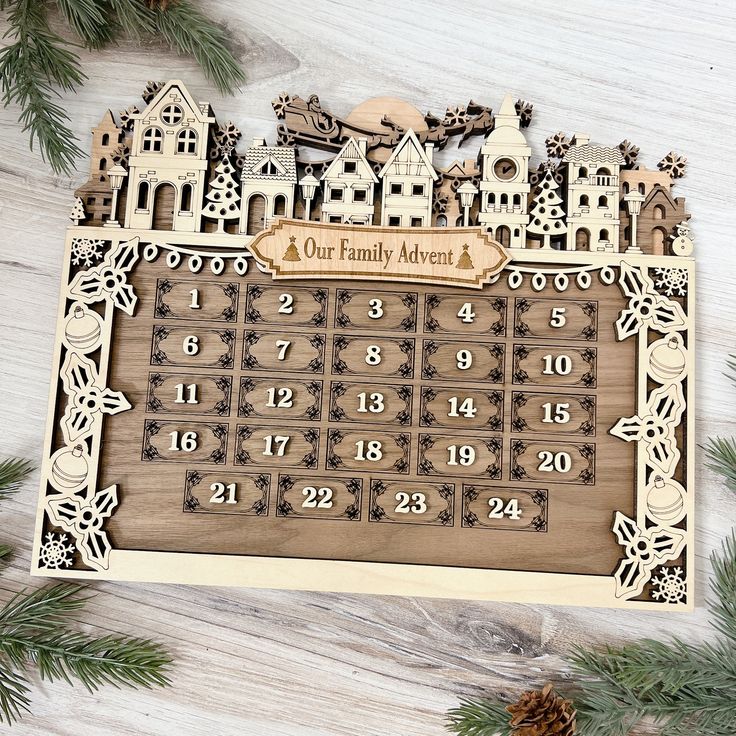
(724,587)
(189,31)
(13,472)
(86,18)
(28,69)
(5,553)
(13,695)
(722,455)
(42,610)
(475,717)
(133,17)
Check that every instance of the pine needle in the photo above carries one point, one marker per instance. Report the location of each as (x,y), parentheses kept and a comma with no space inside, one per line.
(479,718)
(189,31)
(133,17)
(14,698)
(723,607)
(86,18)
(722,455)
(13,472)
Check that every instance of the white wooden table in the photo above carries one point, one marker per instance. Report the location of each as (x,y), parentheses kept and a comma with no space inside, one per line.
(298,664)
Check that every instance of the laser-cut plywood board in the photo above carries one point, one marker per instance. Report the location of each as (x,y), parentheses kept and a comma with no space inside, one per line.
(365,372)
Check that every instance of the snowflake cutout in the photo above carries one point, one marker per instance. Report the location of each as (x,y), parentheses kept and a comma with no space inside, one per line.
(671,281)
(673,164)
(457,115)
(524,110)
(55,552)
(670,586)
(557,145)
(86,252)
(629,151)
(280,104)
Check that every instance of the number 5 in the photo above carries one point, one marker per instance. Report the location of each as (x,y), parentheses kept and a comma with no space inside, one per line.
(557,317)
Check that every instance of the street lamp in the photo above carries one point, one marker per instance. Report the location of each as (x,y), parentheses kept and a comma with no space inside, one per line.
(308,184)
(467,194)
(633,203)
(116,174)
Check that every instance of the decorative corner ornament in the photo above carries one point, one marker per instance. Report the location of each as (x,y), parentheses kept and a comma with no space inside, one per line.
(325,361)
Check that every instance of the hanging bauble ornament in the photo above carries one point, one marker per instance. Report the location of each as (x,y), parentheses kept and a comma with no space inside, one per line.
(666,500)
(667,359)
(83,329)
(69,468)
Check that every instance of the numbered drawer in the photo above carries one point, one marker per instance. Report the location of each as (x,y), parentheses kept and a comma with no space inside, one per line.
(562,319)
(279,351)
(384,357)
(376,310)
(188,393)
(460,456)
(465,315)
(308,497)
(291,447)
(269,398)
(553,462)
(370,403)
(461,408)
(412,503)
(518,509)
(196,300)
(192,347)
(182,441)
(286,305)
(212,492)
(548,365)
(557,413)
(468,361)
(367,451)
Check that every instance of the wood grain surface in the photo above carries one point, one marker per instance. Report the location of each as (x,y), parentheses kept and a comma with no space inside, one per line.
(302,664)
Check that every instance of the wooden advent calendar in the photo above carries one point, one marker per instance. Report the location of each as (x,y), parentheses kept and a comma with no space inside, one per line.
(359,371)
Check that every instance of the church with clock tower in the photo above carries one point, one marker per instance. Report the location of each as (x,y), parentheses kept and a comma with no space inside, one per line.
(504,186)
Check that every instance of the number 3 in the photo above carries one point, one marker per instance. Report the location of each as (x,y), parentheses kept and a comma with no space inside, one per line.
(414,504)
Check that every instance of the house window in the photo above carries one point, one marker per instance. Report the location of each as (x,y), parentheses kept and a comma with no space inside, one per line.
(103,164)
(505,199)
(583,172)
(360,195)
(397,188)
(394,220)
(491,199)
(153,140)
(90,200)
(625,187)
(417,221)
(441,221)
(107,201)
(143,189)
(186,141)
(603,201)
(417,190)
(517,200)
(336,195)
(349,167)
(105,139)
(172,115)
(641,188)
(517,232)
(335,218)
(603,235)
(269,168)
(186,198)
(659,212)
(279,206)
(584,201)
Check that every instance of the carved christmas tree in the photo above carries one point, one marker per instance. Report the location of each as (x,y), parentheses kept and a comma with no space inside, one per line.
(77,214)
(546,214)
(223,196)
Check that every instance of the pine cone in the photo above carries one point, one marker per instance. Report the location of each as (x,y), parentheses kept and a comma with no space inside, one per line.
(542,713)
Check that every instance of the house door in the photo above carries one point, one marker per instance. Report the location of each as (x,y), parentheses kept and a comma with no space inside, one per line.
(164,201)
(256,214)
(503,236)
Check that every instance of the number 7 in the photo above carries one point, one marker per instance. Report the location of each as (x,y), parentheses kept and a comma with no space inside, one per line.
(283,346)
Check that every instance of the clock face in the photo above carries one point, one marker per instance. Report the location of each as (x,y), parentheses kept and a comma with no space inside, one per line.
(505,169)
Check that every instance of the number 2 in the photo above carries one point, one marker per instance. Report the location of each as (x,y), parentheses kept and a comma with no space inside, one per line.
(285,398)
(499,509)
(287,304)
(416,503)
(559,461)
(219,493)
(317,498)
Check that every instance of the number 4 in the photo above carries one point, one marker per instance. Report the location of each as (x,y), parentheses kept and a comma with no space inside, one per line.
(466,313)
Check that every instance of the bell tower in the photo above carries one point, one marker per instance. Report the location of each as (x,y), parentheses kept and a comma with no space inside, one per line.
(504,186)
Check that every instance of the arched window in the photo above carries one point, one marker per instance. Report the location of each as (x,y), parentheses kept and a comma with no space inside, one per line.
(603,201)
(153,140)
(143,189)
(517,232)
(503,236)
(517,200)
(641,188)
(186,141)
(105,139)
(603,171)
(659,212)
(625,187)
(582,239)
(603,235)
(491,199)
(583,172)
(279,205)
(103,164)
(441,221)
(185,204)
(584,201)
(505,199)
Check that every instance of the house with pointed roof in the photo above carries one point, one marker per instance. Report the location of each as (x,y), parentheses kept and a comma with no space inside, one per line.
(95,193)
(268,182)
(504,184)
(349,184)
(168,162)
(659,214)
(408,179)
(593,221)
